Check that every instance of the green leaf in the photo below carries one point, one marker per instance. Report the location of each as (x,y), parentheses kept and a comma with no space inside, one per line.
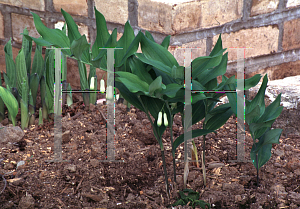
(218,47)
(197,86)
(210,74)
(251,82)
(155,85)
(124,42)
(201,64)
(102,34)
(24,114)
(149,36)
(264,146)
(171,89)
(165,43)
(34,84)
(74,35)
(27,48)
(154,51)
(177,72)
(270,137)
(133,47)
(220,116)
(10,65)
(38,63)
(138,68)
(272,111)
(40,41)
(83,78)
(155,63)
(132,82)
(259,98)
(78,46)
(73,32)
(55,36)
(253,116)
(10,102)
(21,70)
(258,129)
(129,96)
(98,62)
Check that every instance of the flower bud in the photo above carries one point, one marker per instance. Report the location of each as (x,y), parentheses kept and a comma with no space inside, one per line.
(165,119)
(92,86)
(159,120)
(102,86)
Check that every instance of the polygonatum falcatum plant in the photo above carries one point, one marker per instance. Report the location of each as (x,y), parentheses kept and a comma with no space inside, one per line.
(153,82)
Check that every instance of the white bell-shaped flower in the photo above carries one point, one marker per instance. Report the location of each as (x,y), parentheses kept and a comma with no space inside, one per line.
(159,120)
(92,86)
(166,119)
(102,86)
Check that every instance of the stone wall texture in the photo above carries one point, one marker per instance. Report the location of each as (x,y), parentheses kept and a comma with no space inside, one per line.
(268,30)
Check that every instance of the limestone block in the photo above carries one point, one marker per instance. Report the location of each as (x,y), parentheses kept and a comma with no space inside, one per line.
(19,22)
(31,4)
(292,3)
(1,26)
(291,39)
(263,40)
(75,7)
(263,6)
(186,17)
(179,52)
(155,16)
(279,71)
(172,18)
(219,12)
(113,10)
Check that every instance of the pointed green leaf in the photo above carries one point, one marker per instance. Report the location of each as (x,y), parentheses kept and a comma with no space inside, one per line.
(155,85)
(138,68)
(132,82)
(10,66)
(102,34)
(21,70)
(78,46)
(201,64)
(171,89)
(55,36)
(165,43)
(10,102)
(154,51)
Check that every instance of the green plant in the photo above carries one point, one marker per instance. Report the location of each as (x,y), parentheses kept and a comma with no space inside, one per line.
(18,75)
(10,102)
(260,119)
(191,199)
(153,81)
(22,80)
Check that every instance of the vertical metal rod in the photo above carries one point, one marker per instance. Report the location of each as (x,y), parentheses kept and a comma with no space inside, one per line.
(110,101)
(187,114)
(240,106)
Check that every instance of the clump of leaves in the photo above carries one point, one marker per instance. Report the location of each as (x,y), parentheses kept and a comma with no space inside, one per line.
(191,199)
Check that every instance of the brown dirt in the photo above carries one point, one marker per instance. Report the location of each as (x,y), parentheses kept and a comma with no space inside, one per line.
(81,181)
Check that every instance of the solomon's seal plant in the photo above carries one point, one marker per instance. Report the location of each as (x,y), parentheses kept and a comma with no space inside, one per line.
(260,119)
(153,82)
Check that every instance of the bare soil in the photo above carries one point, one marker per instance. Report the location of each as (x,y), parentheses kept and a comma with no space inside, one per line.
(82,181)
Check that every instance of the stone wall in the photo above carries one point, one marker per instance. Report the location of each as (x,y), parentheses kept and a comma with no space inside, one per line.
(270,27)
